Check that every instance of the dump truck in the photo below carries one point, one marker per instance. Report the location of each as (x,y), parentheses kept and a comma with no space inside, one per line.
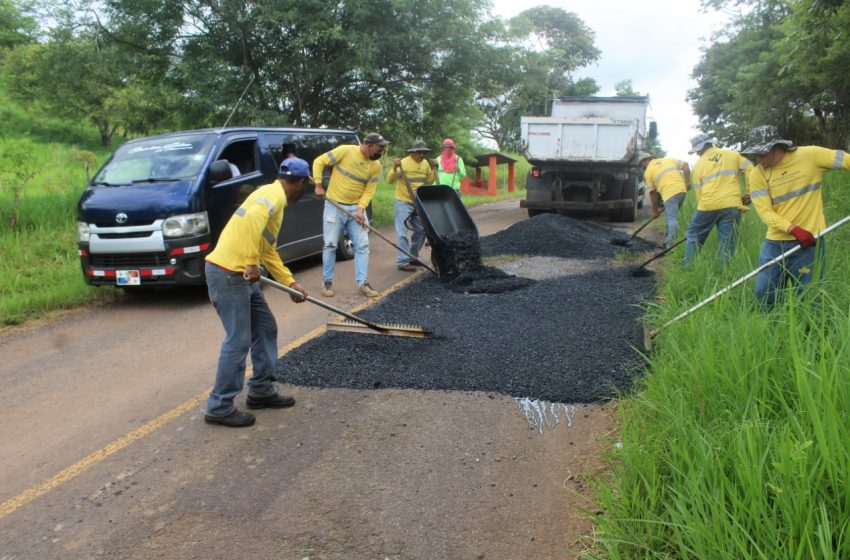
(584,156)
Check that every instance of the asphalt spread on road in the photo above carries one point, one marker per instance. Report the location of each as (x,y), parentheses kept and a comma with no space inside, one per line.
(567,339)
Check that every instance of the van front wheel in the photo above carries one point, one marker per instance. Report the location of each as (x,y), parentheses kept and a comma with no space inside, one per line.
(345,248)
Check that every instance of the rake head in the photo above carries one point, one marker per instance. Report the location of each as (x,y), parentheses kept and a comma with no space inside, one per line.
(619,241)
(411,331)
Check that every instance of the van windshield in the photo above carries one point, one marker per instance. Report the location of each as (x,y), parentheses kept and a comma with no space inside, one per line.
(156,159)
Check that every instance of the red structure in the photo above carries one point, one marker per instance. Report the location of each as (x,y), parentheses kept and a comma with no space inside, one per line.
(477,186)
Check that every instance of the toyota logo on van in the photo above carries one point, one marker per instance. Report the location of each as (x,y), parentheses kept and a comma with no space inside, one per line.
(121,218)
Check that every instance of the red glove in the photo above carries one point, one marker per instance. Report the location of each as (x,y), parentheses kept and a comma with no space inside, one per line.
(804,237)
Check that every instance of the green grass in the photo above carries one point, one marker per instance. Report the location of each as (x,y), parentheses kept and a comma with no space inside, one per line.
(736,444)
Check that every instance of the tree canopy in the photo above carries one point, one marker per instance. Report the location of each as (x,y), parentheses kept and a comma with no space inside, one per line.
(430,67)
(779,63)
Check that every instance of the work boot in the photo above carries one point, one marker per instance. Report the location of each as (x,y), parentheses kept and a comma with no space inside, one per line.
(366,290)
(236,419)
(272,401)
(407,267)
(328,289)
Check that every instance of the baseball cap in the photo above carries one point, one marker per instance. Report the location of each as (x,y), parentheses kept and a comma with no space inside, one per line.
(448,143)
(375,138)
(296,168)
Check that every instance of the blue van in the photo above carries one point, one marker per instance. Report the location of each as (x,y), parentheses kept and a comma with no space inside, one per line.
(155,209)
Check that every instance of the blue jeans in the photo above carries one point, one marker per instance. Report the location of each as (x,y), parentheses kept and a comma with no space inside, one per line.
(798,268)
(406,213)
(671,215)
(333,224)
(249,326)
(703,221)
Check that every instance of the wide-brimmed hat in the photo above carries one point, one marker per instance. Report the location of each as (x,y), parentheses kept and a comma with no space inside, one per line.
(418,146)
(375,138)
(763,139)
(699,142)
(296,168)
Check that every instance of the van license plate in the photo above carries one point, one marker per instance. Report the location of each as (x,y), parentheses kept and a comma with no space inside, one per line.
(128,277)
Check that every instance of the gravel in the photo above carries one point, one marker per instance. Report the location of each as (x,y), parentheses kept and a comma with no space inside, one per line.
(568,339)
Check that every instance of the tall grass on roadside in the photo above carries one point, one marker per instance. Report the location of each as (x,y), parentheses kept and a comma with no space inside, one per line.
(736,445)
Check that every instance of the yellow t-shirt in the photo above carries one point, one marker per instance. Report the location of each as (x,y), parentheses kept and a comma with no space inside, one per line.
(789,193)
(418,174)
(715,178)
(250,235)
(665,176)
(354,178)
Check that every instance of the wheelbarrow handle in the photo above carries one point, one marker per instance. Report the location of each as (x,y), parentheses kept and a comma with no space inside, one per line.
(381,235)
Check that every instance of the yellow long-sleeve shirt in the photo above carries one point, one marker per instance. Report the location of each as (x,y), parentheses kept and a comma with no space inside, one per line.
(418,174)
(250,235)
(354,178)
(715,178)
(665,176)
(789,193)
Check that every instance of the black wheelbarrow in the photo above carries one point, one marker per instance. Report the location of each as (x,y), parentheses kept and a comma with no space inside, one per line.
(455,247)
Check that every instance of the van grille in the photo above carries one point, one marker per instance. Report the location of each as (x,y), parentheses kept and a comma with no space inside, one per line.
(144,260)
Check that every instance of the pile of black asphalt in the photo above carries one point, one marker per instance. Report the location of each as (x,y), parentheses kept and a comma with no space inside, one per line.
(567,339)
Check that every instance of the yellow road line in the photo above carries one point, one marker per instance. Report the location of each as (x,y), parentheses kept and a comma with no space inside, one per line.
(78,468)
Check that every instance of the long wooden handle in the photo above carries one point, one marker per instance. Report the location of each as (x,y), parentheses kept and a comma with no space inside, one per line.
(381,235)
(747,276)
(662,253)
(320,303)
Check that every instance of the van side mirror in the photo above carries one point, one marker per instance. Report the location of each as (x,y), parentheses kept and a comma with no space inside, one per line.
(219,171)
(653,129)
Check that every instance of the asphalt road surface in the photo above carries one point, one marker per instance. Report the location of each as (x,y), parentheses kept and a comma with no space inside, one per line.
(105,453)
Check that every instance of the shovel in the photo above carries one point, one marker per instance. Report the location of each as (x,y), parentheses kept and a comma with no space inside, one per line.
(355,322)
(381,235)
(624,242)
(650,334)
(640,271)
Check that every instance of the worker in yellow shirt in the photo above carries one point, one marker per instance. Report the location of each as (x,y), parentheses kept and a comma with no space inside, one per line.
(415,171)
(668,181)
(353,182)
(232,271)
(785,189)
(716,180)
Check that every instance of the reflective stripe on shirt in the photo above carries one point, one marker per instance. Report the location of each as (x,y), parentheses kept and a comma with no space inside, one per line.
(839,159)
(268,203)
(799,192)
(331,157)
(355,177)
(713,176)
(759,193)
(660,175)
(269,236)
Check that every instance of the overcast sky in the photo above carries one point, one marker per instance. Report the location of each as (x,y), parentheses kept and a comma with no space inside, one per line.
(653,43)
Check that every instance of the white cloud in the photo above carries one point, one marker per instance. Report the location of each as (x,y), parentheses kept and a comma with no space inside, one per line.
(653,43)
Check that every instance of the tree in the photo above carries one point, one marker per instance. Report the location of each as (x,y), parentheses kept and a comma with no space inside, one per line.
(624,88)
(83,79)
(360,64)
(16,27)
(542,48)
(777,65)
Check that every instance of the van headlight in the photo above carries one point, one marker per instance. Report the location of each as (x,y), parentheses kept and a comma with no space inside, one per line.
(186,225)
(83,232)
